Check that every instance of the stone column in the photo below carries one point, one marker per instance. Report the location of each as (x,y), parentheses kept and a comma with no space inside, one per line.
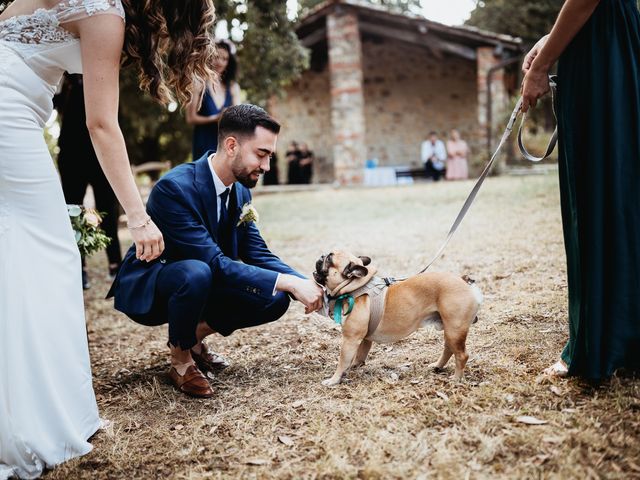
(486,60)
(347,99)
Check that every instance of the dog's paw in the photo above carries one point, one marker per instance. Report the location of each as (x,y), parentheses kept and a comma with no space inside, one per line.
(436,368)
(458,378)
(330,382)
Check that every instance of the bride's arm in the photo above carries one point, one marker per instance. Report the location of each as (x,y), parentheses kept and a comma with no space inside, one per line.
(101,40)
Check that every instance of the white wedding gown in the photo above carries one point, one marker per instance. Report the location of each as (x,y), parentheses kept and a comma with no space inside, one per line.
(48,409)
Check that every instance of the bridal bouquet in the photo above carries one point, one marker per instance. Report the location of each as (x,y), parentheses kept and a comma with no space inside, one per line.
(86,227)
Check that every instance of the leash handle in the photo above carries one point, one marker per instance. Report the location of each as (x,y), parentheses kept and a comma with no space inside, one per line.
(554,137)
(507,132)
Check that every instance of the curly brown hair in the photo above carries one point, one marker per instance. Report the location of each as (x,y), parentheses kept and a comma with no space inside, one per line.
(171,43)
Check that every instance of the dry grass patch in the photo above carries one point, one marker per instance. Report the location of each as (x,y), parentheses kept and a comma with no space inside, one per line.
(393,418)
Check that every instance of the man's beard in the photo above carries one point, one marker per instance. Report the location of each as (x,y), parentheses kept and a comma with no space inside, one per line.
(244,178)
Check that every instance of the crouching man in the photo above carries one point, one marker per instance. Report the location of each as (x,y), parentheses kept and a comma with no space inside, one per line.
(216,274)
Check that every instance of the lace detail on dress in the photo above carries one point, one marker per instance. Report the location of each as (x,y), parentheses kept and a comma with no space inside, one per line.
(93,6)
(41,27)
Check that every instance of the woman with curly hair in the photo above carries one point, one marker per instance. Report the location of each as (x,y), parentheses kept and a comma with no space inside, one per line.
(48,409)
(215,98)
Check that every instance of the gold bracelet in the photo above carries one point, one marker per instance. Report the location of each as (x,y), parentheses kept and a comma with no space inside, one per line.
(143,224)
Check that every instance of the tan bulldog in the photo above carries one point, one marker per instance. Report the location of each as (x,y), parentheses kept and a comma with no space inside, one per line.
(444,300)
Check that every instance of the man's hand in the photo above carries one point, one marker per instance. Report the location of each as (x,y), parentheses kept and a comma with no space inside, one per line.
(306,291)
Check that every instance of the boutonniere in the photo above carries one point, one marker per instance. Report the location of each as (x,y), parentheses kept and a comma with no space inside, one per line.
(248,214)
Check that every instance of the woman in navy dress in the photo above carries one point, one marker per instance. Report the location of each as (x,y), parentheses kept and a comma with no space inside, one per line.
(597,43)
(215,99)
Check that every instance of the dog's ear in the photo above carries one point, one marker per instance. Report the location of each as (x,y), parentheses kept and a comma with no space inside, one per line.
(365,260)
(352,270)
(319,278)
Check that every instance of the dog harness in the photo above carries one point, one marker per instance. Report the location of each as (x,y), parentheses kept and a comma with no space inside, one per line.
(376,288)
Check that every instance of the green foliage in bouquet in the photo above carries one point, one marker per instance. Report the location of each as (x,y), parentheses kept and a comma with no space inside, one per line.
(86,227)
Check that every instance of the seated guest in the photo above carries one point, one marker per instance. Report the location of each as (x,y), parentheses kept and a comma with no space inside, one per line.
(216,274)
(434,156)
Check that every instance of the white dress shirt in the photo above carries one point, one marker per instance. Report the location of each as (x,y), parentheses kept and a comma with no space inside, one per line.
(438,149)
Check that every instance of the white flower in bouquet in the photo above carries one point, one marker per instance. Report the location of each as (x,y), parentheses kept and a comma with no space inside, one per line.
(248,214)
(86,228)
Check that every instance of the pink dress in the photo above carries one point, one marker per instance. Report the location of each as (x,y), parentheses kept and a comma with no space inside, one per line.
(457,168)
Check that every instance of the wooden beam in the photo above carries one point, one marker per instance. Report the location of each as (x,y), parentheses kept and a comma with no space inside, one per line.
(314,37)
(415,37)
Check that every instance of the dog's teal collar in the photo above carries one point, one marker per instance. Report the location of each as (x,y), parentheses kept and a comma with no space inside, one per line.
(337,309)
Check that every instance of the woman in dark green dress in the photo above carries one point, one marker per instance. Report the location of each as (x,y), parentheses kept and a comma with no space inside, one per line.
(598,47)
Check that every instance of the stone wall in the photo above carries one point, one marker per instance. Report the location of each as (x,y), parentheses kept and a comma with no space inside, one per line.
(305,115)
(409,92)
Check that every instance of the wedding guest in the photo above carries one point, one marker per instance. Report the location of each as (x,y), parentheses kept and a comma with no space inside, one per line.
(48,409)
(293,163)
(458,151)
(79,167)
(205,109)
(434,155)
(305,163)
(598,47)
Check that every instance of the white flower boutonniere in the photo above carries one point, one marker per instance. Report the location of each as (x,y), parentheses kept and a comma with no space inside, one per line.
(248,214)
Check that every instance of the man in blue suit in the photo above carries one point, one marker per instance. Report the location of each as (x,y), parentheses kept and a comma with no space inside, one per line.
(216,274)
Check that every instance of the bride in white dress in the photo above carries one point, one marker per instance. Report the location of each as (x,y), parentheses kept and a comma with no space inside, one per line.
(48,409)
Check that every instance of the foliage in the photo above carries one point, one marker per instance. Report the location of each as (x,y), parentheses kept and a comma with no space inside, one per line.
(269,56)
(86,227)
(519,18)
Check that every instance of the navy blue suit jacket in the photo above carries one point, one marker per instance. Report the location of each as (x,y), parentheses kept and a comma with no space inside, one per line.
(183,205)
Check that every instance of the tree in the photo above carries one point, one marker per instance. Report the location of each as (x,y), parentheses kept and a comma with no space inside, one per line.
(519,18)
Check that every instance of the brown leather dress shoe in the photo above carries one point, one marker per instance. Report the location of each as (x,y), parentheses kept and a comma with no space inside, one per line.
(192,383)
(209,361)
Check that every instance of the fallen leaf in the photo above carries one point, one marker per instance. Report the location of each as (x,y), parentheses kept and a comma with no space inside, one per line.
(501,276)
(248,394)
(552,439)
(530,420)
(178,427)
(297,403)
(509,398)
(394,376)
(443,396)
(633,466)
(286,440)
(256,461)
(556,390)
(568,410)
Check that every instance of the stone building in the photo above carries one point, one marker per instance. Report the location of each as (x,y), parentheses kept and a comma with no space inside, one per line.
(379,81)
